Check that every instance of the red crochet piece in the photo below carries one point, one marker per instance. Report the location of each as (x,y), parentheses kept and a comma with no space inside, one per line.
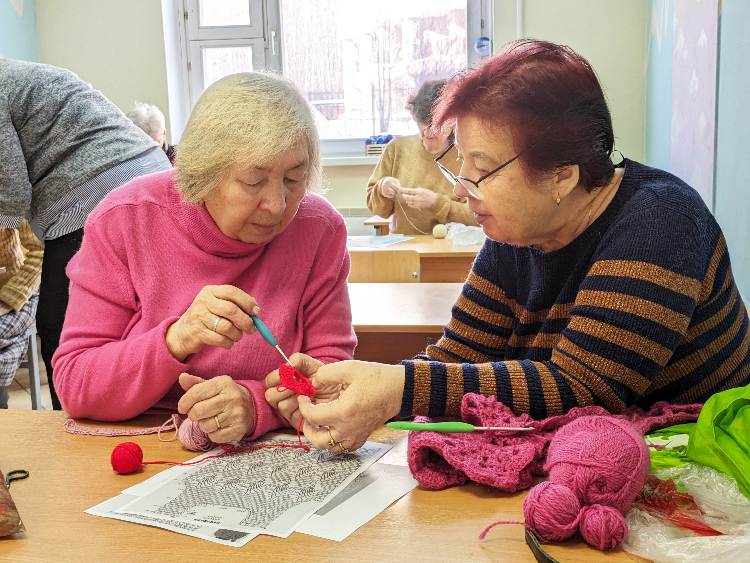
(505,460)
(293,380)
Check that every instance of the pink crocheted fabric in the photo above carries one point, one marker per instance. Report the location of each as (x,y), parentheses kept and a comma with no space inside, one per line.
(505,460)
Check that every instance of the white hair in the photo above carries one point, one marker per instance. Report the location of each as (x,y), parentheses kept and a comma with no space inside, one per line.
(244,120)
(149,118)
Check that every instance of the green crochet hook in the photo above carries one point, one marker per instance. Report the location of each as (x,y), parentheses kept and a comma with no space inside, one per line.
(267,335)
(449,426)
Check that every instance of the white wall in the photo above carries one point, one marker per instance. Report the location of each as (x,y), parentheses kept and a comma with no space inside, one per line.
(116,45)
(611,34)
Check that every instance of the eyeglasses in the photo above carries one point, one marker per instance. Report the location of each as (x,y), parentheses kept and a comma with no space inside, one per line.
(471,185)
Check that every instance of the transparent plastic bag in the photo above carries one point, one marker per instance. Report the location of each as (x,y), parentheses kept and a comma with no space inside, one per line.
(722,507)
(465,235)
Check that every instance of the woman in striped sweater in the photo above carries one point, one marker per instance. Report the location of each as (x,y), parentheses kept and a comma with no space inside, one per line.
(600,284)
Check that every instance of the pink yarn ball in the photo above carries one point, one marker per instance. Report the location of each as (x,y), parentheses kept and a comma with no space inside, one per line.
(603,526)
(601,459)
(193,438)
(126,458)
(551,511)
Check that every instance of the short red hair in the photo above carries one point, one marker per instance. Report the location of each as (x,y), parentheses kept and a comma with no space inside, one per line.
(549,97)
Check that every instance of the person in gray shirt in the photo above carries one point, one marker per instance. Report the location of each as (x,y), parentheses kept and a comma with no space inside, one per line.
(63,147)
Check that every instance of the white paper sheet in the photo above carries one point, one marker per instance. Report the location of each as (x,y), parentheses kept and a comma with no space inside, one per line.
(375,242)
(268,491)
(108,509)
(368,495)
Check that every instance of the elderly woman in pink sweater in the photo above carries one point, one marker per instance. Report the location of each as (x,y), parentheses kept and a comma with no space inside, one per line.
(173,264)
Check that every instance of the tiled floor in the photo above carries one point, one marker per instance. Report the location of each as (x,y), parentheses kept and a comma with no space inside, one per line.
(19,396)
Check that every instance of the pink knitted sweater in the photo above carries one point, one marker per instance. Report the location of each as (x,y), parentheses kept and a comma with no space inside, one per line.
(146,255)
(509,460)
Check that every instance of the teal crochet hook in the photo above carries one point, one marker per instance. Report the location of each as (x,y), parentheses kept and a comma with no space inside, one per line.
(450,427)
(268,336)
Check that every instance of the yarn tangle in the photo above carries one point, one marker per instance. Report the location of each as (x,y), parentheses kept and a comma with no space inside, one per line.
(597,465)
(127,457)
(293,380)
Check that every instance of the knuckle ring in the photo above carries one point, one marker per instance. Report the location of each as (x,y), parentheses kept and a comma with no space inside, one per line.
(218,424)
(331,441)
(216,323)
(343,449)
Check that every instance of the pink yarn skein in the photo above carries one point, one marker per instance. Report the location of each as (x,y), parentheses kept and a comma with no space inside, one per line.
(597,463)
(193,438)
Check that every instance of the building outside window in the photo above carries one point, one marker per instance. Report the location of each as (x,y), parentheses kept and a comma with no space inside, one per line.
(356,62)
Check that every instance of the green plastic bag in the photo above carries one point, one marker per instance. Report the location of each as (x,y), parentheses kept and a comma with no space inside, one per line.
(673,456)
(721,437)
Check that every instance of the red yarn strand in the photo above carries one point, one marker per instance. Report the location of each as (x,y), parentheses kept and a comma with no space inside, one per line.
(230,449)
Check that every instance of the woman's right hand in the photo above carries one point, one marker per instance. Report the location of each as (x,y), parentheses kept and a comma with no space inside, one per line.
(389,187)
(353,400)
(198,326)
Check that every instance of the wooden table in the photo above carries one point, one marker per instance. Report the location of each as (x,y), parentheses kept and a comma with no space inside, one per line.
(71,473)
(441,260)
(382,226)
(396,321)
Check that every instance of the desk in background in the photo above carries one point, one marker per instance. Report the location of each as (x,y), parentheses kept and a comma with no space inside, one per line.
(396,321)
(441,260)
(382,226)
(70,473)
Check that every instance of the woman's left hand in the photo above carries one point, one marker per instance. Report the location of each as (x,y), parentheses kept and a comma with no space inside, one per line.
(359,397)
(222,408)
(419,198)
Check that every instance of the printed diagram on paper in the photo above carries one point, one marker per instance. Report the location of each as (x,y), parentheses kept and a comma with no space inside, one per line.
(267,490)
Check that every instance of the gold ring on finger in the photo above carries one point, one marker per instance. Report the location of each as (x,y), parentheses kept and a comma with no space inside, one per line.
(218,424)
(343,449)
(216,323)
(331,441)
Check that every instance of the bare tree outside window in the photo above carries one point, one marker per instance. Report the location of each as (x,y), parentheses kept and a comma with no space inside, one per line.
(358,62)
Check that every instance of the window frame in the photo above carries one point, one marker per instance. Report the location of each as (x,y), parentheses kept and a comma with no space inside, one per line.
(267,35)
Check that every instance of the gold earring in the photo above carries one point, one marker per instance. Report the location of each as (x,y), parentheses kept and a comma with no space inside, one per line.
(557,201)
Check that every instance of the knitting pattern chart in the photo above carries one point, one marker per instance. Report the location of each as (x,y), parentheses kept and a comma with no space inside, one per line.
(265,490)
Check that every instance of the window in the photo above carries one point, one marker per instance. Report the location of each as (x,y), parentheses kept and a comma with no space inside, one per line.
(356,62)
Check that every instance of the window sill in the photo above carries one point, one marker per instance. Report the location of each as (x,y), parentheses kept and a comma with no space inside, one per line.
(350,160)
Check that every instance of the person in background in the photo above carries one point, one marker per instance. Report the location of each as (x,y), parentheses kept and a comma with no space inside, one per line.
(64,147)
(159,315)
(407,186)
(19,282)
(151,120)
(599,284)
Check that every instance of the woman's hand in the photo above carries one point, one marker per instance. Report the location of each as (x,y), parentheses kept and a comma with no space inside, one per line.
(390,187)
(286,401)
(419,198)
(218,316)
(222,408)
(356,399)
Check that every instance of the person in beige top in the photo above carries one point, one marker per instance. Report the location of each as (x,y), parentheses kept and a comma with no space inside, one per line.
(407,185)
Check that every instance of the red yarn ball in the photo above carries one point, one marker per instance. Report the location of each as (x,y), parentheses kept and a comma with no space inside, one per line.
(127,458)
(551,510)
(603,526)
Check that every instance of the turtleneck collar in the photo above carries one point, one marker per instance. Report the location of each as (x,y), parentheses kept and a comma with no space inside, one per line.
(196,223)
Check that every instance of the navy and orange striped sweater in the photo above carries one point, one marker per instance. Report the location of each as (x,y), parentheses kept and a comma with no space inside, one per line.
(641,307)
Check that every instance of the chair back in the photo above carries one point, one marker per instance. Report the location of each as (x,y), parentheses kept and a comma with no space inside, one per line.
(384,266)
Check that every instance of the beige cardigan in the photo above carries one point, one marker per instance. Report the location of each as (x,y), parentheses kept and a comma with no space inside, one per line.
(405,158)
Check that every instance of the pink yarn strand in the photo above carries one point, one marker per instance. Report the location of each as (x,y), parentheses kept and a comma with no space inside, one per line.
(72,427)
(488,528)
